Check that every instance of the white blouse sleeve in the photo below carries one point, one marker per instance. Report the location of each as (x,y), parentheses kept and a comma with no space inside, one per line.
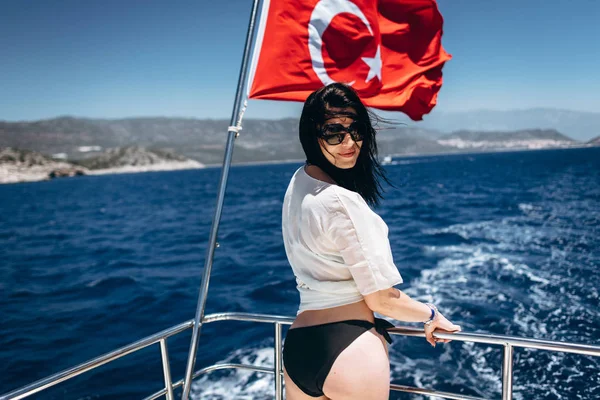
(361,237)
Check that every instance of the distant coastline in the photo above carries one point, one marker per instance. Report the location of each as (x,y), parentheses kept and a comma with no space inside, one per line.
(507,150)
(28,166)
(11,174)
(68,146)
(133,169)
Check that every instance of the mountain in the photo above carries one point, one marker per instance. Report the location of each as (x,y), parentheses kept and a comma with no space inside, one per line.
(203,140)
(578,125)
(595,141)
(136,156)
(25,158)
(409,141)
(78,139)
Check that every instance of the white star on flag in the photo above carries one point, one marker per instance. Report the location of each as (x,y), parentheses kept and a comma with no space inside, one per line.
(374,65)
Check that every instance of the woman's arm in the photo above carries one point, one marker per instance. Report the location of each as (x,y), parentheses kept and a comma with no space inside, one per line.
(396,304)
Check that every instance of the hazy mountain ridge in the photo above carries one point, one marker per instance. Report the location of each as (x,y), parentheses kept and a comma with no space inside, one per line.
(579,125)
(204,140)
(595,141)
(409,141)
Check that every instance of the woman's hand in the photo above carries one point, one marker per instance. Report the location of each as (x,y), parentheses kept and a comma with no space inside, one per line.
(440,324)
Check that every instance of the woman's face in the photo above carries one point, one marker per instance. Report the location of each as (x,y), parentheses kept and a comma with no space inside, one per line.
(345,154)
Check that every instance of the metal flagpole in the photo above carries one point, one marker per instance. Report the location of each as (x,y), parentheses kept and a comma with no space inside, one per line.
(212,241)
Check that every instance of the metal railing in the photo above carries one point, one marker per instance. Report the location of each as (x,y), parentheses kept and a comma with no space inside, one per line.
(508,343)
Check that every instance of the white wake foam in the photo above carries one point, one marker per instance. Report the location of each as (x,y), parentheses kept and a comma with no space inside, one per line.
(238,384)
(509,274)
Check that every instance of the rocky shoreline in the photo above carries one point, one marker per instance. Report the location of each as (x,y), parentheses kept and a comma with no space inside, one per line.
(18,165)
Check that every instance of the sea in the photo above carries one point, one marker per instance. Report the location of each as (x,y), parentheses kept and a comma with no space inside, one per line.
(503,243)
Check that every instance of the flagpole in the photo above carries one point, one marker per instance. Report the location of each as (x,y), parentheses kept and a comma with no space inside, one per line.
(232,133)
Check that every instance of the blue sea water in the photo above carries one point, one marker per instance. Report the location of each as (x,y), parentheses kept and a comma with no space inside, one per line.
(505,243)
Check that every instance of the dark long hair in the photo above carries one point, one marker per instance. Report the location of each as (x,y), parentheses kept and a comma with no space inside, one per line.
(364,178)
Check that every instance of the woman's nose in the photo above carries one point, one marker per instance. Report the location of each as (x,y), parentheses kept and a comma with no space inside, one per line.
(348,142)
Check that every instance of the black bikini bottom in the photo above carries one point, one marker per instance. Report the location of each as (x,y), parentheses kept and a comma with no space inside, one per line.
(310,351)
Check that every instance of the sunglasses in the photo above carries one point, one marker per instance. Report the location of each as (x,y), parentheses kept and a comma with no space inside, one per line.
(336,133)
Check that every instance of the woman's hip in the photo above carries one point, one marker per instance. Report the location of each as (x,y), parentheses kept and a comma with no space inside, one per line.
(310,352)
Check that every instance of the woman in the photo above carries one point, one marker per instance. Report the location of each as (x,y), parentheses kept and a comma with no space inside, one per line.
(340,254)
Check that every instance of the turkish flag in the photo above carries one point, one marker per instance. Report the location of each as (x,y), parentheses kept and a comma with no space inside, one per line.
(388,50)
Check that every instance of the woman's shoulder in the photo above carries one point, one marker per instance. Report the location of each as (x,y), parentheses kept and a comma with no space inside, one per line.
(336,198)
(324,193)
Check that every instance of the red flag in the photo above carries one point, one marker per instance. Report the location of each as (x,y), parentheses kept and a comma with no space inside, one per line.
(389,51)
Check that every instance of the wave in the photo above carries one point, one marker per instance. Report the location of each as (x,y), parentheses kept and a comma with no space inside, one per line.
(519,291)
(238,384)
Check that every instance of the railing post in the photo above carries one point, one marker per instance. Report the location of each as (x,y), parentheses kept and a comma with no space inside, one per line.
(507,364)
(278,367)
(164,353)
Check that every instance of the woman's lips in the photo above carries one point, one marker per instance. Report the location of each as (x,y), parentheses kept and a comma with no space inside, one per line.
(347,154)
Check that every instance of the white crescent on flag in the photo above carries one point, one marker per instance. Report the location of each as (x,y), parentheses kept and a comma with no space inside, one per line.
(321,17)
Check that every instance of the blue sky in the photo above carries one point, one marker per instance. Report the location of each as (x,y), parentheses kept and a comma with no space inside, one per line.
(113,59)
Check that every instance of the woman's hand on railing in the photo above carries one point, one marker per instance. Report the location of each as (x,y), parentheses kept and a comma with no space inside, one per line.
(440,324)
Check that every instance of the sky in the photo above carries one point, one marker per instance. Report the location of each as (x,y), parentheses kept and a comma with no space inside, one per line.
(125,58)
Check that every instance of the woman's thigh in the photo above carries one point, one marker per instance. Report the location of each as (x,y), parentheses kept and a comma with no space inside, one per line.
(361,371)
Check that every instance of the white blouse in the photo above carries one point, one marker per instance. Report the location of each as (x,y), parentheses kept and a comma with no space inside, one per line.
(337,246)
